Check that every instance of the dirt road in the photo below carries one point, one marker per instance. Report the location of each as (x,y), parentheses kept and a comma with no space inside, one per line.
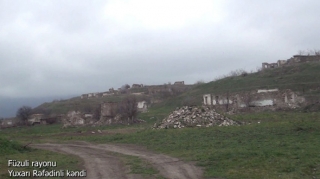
(100,162)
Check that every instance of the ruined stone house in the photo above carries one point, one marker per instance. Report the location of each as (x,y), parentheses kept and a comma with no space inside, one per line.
(142,106)
(109,109)
(269,65)
(137,85)
(304,59)
(266,98)
(6,123)
(179,83)
(296,59)
(73,118)
(36,119)
(153,89)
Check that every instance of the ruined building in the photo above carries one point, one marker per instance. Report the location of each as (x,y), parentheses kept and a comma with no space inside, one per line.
(138,89)
(137,85)
(296,59)
(142,106)
(109,109)
(178,83)
(263,98)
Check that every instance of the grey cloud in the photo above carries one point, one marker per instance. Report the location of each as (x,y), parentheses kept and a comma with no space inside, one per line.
(69,47)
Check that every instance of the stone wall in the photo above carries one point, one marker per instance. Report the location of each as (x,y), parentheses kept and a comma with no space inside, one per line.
(109,109)
(296,59)
(142,106)
(265,98)
(178,86)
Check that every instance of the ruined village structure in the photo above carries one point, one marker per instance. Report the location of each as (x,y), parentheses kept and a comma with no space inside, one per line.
(139,89)
(296,59)
(258,99)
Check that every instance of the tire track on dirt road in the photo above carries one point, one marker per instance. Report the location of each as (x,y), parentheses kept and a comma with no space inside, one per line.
(101,163)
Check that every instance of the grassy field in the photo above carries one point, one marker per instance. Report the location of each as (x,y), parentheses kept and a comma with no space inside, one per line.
(281,145)
(272,144)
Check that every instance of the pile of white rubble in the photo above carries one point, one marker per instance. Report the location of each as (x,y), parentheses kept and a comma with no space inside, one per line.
(195,117)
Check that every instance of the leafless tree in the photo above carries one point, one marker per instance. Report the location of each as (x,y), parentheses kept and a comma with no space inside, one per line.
(199,82)
(301,52)
(125,89)
(247,99)
(317,52)
(238,72)
(128,108)
(309,52)
(23,113)
(97,112)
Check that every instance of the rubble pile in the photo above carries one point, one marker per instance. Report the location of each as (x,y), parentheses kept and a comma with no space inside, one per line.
(73,118)
(108,121)
(195,117)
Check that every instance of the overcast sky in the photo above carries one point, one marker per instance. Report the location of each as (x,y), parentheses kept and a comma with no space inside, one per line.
(71,47)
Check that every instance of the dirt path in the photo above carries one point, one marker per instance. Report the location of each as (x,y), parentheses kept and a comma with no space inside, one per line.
(101,163)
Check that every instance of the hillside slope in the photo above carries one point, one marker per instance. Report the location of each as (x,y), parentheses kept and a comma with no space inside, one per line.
(304,78)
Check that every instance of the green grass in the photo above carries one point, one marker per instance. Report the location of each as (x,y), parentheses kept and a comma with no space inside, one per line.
(282,145)
(139,166)
(272,145)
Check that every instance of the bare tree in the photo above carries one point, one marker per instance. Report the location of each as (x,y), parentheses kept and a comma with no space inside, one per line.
(247,99)
(125,89)
(301,52)
(97,112)
(238,72)
(128,108)
(309,52)
(199,82)
(23,113)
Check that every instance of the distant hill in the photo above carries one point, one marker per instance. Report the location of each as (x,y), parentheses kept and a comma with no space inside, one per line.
(9,106)
(304,77)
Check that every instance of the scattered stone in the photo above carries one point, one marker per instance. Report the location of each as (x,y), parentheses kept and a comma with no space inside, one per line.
(99,131)
(188,116)
(73,119)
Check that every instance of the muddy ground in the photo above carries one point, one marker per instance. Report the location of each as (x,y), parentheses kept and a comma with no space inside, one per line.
(101,162)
